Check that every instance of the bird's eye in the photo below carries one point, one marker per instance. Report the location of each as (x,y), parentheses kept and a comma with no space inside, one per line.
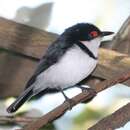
(93,34)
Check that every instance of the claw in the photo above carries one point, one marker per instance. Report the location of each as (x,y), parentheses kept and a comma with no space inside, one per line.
(91,91)
(70,103)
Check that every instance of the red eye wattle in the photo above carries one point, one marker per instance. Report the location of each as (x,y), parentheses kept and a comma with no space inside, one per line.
(93,34)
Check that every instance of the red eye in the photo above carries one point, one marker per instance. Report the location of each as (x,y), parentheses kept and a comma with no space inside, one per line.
(93,34)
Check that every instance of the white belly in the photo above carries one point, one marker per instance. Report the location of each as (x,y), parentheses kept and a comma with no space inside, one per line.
(73,67)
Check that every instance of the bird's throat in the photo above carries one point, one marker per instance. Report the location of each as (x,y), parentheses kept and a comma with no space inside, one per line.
(92,46)
(86,50)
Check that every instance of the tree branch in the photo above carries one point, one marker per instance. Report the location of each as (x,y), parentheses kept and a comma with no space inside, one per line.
(84,96)
(18,119)
(115,120)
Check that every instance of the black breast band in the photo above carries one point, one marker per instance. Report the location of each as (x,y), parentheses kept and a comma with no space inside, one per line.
(86,50)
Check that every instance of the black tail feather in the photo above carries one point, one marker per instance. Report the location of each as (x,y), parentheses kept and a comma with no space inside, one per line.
(27,94)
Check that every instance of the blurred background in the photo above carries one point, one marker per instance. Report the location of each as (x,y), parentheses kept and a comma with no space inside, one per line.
(55,16)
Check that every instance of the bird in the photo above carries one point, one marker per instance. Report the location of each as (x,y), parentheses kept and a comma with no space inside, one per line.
(68,60)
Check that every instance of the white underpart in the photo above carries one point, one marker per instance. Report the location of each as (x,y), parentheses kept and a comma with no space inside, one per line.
(93,45)
(73,67)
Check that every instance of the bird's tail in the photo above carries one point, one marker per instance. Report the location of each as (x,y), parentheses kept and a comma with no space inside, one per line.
(26,95)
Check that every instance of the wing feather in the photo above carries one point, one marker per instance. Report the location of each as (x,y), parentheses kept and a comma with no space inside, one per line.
(54,52)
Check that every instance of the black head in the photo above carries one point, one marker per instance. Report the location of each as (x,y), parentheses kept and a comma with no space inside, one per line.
(84,32)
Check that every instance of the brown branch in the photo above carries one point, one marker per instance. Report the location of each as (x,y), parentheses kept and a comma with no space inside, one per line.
(115,120)
(24,39)
(18,119)
(84,96)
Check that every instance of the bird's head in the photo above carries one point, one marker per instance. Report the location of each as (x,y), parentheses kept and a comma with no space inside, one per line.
(85,32)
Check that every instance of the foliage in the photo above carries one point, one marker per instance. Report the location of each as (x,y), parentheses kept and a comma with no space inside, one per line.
(88,114)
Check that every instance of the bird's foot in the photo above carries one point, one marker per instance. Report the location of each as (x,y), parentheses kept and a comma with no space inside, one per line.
(70,103)
(91,91)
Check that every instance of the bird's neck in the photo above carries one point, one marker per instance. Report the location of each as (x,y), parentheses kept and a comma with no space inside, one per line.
(93,45)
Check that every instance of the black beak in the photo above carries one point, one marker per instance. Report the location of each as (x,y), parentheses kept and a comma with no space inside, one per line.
(105,33)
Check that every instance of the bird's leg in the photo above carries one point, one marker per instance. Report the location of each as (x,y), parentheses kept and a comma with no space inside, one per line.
(90,90)
(70,101)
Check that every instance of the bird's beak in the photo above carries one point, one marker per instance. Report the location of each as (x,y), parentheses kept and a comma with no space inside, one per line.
(105,33)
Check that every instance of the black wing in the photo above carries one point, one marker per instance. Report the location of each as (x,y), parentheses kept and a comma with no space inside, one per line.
(52,55)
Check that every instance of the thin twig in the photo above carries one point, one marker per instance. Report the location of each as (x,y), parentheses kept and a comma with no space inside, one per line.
(84,96)
(18,119)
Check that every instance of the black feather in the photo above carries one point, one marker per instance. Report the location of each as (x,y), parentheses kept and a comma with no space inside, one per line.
(53,54)
(26,95)
(86,50)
